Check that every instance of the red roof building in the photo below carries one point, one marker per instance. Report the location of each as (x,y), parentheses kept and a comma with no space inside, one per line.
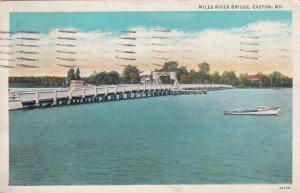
(253,77)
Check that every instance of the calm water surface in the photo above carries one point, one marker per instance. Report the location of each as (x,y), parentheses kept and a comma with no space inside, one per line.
(164,140)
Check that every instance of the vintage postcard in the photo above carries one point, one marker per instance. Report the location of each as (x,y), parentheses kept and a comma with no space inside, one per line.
(217,84)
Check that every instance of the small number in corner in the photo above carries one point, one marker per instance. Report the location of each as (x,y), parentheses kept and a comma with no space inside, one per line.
(284,188)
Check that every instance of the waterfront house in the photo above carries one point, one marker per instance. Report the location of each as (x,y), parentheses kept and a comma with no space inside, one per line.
(146,77)
(76,83)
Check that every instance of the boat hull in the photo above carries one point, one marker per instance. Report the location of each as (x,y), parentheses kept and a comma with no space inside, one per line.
(270,111)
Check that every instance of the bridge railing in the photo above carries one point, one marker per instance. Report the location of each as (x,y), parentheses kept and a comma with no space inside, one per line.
(43,95)
(62,94)
(203,86)
(28,96)
(101,90)
(90,91)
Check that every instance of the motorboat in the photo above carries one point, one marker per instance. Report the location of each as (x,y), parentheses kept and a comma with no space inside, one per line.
(258,111)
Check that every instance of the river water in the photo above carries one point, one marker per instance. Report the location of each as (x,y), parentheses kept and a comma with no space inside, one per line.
(183,139)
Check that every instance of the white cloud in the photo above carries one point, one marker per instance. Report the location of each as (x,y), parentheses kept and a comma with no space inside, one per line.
(96,50)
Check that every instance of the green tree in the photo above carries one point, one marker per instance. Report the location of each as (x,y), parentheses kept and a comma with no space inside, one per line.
(204,69)
(71,75)
(215,77)
(264,80)
(131,75)
(243,80)
(170,66)
(113,77)
(101,78)
(193,77)
(276,79)
(77,74)
(288,82)
(182,75)
(229,77)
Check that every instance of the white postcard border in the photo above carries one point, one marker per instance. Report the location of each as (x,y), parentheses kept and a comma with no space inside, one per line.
(145,5)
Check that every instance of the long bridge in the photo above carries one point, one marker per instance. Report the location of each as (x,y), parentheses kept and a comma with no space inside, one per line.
(88,94)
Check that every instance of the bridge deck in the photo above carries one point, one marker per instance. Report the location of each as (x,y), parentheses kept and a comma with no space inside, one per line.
(34,97)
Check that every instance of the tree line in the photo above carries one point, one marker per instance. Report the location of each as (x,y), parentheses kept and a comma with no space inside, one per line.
(37,81)
(203,75)
(130,75)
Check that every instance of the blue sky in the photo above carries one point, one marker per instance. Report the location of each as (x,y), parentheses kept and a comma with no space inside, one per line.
(188,21)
